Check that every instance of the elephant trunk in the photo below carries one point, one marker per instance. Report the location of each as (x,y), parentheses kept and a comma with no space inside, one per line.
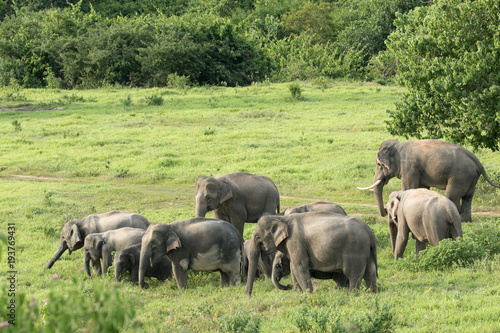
(275,274)
(143,265)
(379,191)
(86,260)
(60,250)
(252,266)
(118,272)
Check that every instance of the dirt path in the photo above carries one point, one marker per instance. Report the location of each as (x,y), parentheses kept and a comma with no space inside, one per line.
(491,214)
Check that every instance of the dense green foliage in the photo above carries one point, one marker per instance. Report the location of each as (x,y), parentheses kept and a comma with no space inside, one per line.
(67,154)
(448,57)
(78,44)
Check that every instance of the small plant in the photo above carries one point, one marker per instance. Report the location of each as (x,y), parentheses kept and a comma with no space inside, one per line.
(209,131)
(122,173)
(154,100)
(295,90)
(127,102)
(17,125)
(177,82)
(240,321)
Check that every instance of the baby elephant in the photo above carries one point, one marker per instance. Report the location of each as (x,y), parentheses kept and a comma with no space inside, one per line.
(265,264)
(428,215)
(100,246)
(318,206)
(127,260)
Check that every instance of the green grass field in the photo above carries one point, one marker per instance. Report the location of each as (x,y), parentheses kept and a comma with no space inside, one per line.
(69,154)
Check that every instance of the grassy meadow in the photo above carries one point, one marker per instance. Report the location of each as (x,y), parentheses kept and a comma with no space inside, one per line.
(68,154)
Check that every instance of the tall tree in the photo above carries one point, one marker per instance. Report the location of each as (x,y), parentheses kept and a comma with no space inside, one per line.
(448,56)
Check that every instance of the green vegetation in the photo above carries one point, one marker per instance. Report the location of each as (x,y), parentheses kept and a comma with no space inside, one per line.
(448,57)
(87,151)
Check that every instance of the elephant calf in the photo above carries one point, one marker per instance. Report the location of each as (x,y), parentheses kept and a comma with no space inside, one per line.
(100,246)
(200,244)
(428,215)
(318,206)
(265,265)
(128,260)
(317,242)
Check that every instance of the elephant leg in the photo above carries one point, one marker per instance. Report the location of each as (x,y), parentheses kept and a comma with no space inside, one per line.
(301,272)
(96,266)
(371,276)
(466,208)
(419,246)
(180,276)
(401,238)
(224,279)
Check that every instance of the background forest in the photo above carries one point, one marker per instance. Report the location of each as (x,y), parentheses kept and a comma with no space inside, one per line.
(90,44)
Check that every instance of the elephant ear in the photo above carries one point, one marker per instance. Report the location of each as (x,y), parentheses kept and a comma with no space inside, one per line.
(132,259)
(173,241)
(225,192)
(280,232)
(97,242)
(395,207)
(383,157)
(76,237)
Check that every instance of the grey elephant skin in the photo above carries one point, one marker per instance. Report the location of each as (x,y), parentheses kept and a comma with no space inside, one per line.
(75,231)
(429,163)
(317,241)
(237,198)
(99,246)
(318,206)
(428,215)
(200,244)
(127,260)
(281,268)
(265,264)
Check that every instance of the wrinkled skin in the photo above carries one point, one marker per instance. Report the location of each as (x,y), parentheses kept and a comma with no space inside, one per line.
(430,163)
(101,245)
(237,198)
(127,260)
(317,241)
(281,268)
(200,244)
(318,206)
(75,231)
(428,215)
(265,264)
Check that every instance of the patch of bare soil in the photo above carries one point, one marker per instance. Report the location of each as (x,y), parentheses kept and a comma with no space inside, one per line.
(29,109)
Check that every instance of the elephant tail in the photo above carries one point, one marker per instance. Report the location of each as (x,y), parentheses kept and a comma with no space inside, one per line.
(483,173)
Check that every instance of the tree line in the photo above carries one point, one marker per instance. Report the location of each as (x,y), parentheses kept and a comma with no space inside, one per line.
(90,44)
(446,52)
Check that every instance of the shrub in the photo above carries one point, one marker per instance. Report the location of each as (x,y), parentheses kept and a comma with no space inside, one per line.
(240,321)
(69,310)
(154,100)
(295,90)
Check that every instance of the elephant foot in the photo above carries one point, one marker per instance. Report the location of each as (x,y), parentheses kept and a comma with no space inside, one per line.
(466,217)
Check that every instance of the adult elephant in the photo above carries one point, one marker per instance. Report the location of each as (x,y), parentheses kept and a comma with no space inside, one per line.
(428,215)
(75,231)
(318,206)
(317,241)
(429,163)
(237,198)
(100,246)
(200,244)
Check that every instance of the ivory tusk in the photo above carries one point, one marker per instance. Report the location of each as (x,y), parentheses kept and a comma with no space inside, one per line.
(370,187)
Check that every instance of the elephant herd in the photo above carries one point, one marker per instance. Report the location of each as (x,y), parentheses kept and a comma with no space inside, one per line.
(316,240)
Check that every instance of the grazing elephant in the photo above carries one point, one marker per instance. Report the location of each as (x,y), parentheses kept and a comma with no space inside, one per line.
(281,268)
(75,231)
(101,245)
(317,241)
(200,244)
(428,215)
(318,206)
(265,264)
(237,198)
(425,163)
(127,260)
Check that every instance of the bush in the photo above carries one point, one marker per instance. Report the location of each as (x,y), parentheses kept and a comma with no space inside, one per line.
(69,310)
(240,321)
(482,242)
(154,100)
(295,90)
